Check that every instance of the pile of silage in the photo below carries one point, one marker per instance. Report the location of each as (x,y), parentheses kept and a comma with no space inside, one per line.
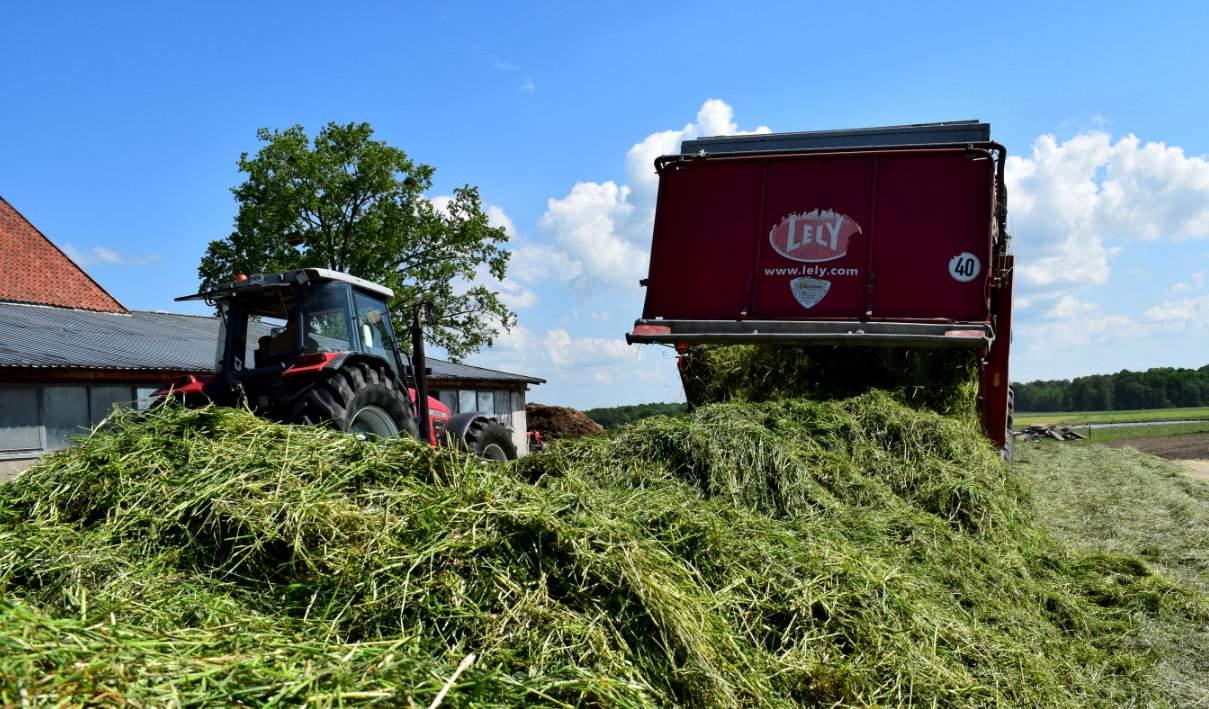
(938,379)
(847,552)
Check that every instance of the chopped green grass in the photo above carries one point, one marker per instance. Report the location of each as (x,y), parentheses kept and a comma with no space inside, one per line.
(1125,503)
(940,380)
(846,552)
(1024,418)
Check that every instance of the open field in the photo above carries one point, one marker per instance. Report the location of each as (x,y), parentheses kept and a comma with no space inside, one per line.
(1024,418)
(1125,434)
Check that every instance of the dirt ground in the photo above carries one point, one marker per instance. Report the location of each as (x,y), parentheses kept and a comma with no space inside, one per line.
(1190,450)
(1188,446)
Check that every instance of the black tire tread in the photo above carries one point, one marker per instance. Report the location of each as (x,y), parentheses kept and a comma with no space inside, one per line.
(484,431)
(327,401)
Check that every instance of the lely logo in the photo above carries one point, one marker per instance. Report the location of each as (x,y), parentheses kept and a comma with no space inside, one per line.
(811,237)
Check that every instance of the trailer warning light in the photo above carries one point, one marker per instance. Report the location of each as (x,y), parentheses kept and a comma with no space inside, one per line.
(241,277)
(652,330)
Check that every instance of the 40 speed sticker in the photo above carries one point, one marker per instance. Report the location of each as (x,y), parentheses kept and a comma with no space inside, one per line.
(964,267)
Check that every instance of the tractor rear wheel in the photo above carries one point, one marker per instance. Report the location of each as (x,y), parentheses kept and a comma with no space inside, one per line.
(487,438)
(359,398)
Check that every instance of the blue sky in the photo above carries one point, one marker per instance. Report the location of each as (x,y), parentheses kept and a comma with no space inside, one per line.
(120,127)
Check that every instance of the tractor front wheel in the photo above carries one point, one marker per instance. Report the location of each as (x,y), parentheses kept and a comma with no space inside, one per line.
(358,398)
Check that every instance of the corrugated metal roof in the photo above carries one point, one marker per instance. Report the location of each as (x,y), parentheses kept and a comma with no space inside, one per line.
(449,370)
(40,336)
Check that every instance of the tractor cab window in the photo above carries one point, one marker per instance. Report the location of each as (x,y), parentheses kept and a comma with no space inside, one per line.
(325,318)
(373,324)
(272,332)
(267,340)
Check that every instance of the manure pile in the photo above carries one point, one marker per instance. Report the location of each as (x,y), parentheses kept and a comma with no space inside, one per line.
(555,422)
(847,552)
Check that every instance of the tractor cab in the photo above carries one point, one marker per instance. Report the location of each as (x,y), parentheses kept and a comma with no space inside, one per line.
(317,346)
(272,323)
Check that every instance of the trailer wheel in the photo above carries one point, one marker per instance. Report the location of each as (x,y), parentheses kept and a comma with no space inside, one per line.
(360,398)
(487,438)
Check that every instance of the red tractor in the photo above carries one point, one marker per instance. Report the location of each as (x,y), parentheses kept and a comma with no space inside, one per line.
(893,237)
(315,346)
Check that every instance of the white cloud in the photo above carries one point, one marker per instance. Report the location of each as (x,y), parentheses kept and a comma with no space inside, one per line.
(1072,204)
(1153,191)
(105,255)
(715,117)
(512,291)
(561,357)
(1069,306)
(532,264)
(1181,314)
(1195,282)
(507,67)
(604,228)
(565,351)
(1051,204)
(1072,323)
(497,218)
(588,225)
(499,64)
(1087,327)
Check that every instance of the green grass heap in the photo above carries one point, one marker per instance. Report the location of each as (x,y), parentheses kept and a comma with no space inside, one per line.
(854,552)
(941,380)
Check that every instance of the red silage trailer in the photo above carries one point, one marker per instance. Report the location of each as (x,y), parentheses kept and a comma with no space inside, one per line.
(888,236)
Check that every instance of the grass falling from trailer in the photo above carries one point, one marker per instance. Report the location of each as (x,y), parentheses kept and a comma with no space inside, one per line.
(855,551)
(940,380)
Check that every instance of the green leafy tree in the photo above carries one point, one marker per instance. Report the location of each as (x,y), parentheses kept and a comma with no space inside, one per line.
(350,203)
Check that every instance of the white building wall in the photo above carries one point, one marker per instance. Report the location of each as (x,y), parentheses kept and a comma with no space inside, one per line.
(519,425)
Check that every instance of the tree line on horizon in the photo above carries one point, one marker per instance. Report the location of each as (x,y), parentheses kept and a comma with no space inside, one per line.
(614,416)
(1157,388)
